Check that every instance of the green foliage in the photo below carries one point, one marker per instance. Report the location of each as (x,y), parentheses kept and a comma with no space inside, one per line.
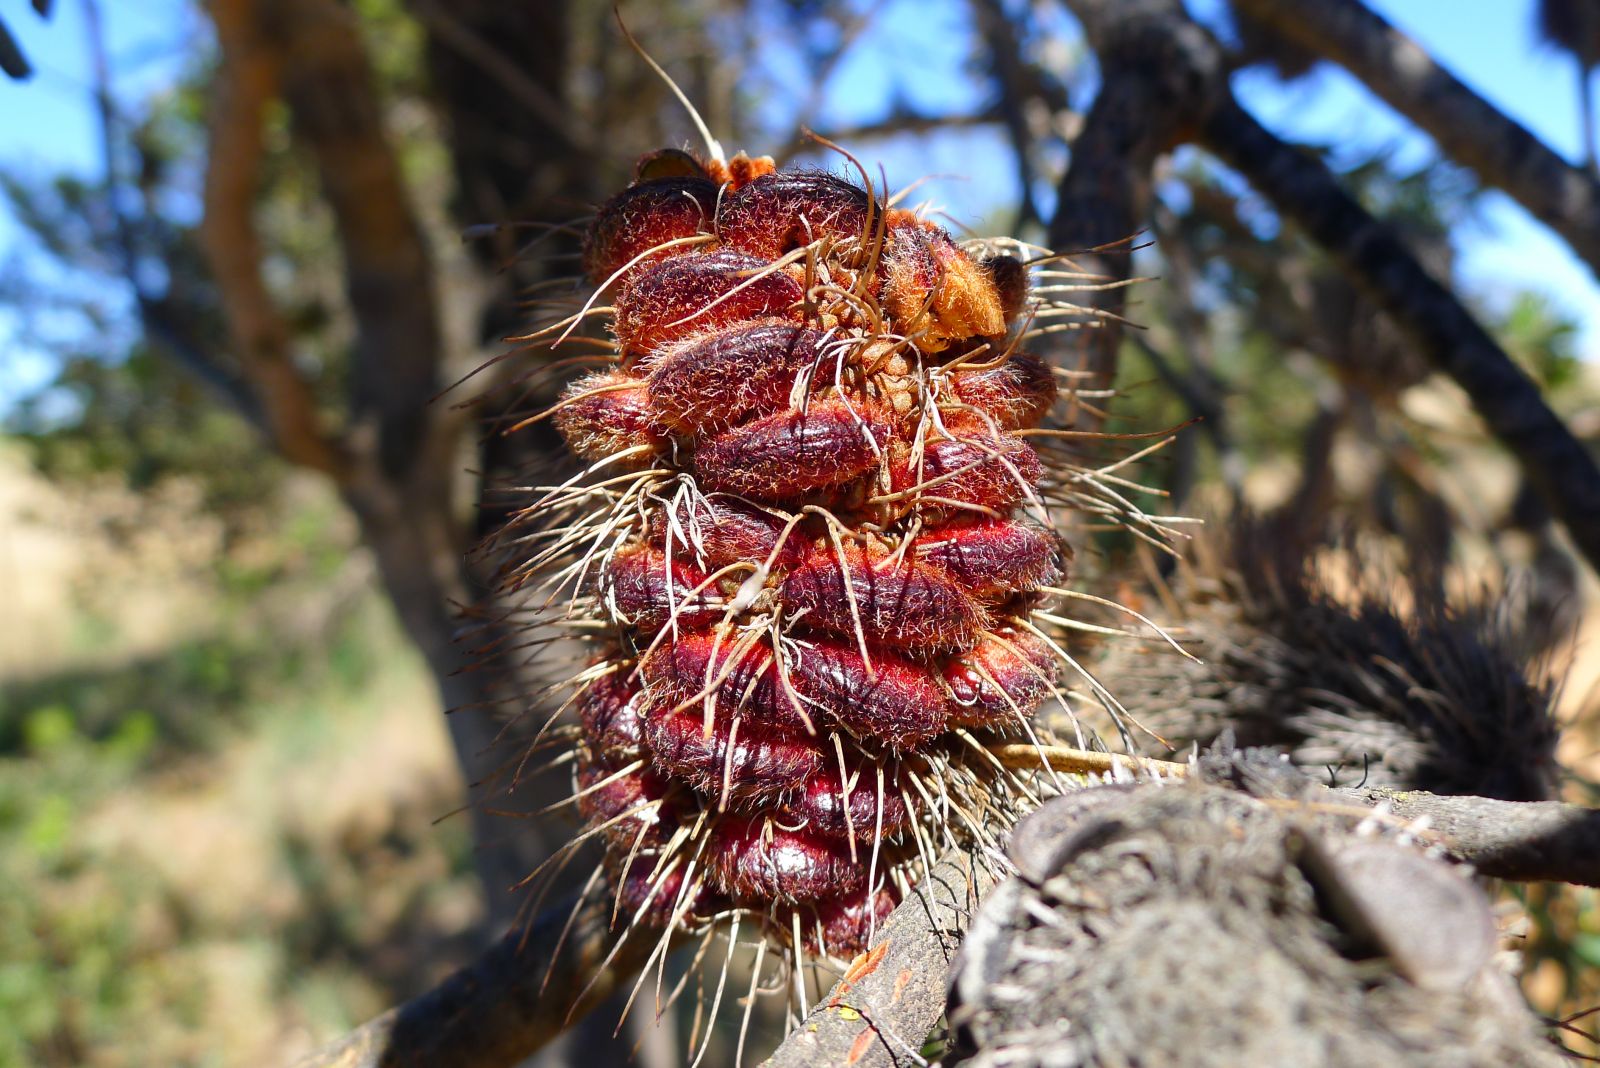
(1542,341)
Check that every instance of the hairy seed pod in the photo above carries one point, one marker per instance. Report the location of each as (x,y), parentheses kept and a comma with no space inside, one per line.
(842,926)
(889,700)
(646,591)
(1018,392)
(632,806)
(922,262)
(719,531)
(711,383)
(754,860)
(992,558)
(837,807)
(655,896)
(736,759)
(976,471)
(607,413)
(791,455)
(781,212)
(1001,681)
(643,217)
(1010,276)
(610,710)
(894,601)
(697,293)
(735,679)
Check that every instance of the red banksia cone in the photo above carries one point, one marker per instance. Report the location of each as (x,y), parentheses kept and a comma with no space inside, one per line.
(812,538)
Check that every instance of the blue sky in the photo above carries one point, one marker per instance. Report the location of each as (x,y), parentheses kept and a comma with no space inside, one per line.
(48,123)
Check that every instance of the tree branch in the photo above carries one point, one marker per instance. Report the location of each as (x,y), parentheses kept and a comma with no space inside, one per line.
(1374,258)
(1164,74)
(1466,127)
(518,996)
(1006,69)
(1524,841)
(329,86)
(1150,77)
(890,998)
(502,1007)
(246,80)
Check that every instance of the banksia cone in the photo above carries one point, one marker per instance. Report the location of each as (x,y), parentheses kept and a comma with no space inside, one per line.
(811,540)
(1379,681)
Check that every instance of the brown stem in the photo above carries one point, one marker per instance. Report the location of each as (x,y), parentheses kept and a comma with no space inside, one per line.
(1082,761)
(246,80)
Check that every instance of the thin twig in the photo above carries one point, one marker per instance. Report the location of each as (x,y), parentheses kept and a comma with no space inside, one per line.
(1084,761)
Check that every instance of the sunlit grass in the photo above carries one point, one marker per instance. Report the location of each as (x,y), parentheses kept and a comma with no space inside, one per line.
(223,852)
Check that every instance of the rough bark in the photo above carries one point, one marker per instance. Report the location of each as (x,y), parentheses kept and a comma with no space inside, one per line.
(1466,127)
(892,996)
(1195,926)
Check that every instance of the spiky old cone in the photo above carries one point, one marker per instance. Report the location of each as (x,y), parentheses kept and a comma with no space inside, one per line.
(802,527)
(1377,679)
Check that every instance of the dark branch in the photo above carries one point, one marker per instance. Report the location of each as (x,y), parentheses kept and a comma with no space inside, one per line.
(901,120)
(1524,841)
(1150,77)
(1008,70)
(1372,255)
(1467,128)
(458,35)
(329,86)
